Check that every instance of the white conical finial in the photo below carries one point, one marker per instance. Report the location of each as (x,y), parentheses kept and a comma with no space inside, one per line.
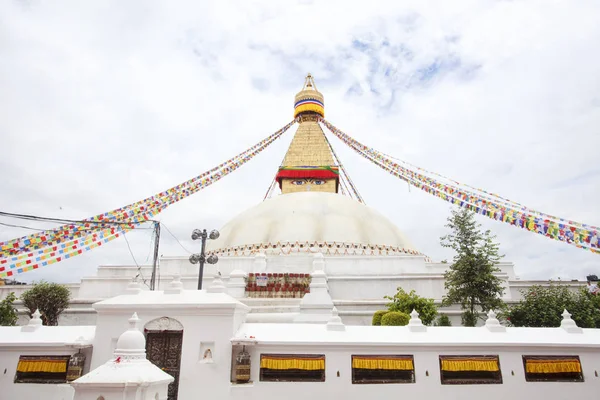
(492,323)
(133,321)
(217,285)
(34,323)
(175,287)
(415,324)
(36,317)
(134,287)
(335,322)
(568,324)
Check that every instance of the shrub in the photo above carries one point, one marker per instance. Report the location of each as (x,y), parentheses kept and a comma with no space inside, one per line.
(50,298)
(542,307)
(469,318)
(8,313)
(443,320)
(406,302)
(395,318)
(377,317)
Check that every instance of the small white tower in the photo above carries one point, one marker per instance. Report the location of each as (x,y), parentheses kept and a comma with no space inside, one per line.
(128,375)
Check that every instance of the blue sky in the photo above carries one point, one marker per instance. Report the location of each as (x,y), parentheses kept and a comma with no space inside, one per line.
(105,103)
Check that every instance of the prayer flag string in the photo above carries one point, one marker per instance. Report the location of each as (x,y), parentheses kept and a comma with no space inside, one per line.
(574,233)
(51,246)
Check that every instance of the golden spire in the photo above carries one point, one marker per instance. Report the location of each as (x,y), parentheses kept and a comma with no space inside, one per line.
(308,164)
(309,100)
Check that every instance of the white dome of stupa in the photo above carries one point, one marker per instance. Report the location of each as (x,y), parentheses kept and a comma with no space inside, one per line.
(311,222)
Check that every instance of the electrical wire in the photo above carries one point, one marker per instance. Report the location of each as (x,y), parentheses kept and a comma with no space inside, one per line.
(175,237)
(62,220)
(139,268)
(21,226)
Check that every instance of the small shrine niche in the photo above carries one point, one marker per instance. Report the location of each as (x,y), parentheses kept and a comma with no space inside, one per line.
(207,355)
(241,361)
(242,366)
(75,367)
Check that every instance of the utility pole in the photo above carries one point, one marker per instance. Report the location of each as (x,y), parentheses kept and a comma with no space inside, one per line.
(155,263)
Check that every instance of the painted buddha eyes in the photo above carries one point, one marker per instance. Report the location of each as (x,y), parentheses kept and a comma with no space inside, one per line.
(317,182)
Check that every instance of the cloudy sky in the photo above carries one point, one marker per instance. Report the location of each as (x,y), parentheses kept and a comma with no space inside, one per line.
(105,103)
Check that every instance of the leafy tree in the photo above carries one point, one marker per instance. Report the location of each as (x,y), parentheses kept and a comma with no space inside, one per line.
(470,280)
(8,313)
(406,302)
(377,317)
(50,298)
(395,318)
(443,320)
(542,307)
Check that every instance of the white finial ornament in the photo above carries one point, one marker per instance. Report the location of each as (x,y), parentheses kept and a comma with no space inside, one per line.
(414,318)
(568,324)
(217,285)
(335,322)
(34,323)
(492,323)
(176,286)
(133,321)
(415,324)
(134,287)
(36,318)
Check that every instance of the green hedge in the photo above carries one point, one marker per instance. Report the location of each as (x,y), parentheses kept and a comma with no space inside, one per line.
(395,318)
(377,317)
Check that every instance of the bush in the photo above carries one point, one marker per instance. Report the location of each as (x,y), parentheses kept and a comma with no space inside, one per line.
(50,298)
(377,317)
(542,307)
(406,302)
(395,318)
(468,318)
(8,313)
(443,320)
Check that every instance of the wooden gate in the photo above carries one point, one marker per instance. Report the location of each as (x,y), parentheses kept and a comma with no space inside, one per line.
(163,349)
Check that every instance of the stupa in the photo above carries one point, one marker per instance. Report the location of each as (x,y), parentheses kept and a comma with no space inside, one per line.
(270,254)
(298,273)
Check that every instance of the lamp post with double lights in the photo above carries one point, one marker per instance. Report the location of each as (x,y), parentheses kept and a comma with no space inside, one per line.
(201,257)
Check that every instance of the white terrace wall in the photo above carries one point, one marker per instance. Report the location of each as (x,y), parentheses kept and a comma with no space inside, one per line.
(9,358)
(427,376)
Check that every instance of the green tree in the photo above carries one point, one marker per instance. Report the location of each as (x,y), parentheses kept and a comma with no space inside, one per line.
(542,307)
(395,318)
(50,298)
(442,320)
(470,280)
(406,302)
(8,313)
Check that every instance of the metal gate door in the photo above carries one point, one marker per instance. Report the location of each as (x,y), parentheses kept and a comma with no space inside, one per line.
(163,349)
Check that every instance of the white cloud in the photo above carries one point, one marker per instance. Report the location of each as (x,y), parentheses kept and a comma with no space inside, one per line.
(106,103)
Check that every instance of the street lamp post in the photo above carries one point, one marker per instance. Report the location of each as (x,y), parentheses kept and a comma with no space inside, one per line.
(201,257)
